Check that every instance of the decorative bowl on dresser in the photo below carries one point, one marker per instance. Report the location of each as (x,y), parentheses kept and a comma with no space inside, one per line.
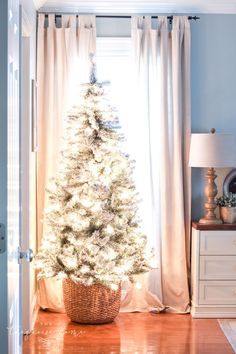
(213,271)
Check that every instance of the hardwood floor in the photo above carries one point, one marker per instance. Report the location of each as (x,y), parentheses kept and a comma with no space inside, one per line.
(134,333)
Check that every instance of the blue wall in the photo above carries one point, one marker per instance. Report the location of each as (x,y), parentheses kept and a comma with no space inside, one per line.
(213,86)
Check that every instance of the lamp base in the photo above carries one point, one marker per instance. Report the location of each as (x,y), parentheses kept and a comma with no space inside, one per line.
(210,205)
(212,221)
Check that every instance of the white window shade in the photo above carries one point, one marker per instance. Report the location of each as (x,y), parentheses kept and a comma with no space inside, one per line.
(212,150)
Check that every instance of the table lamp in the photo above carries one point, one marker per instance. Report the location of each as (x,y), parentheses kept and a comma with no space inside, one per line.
(212,150)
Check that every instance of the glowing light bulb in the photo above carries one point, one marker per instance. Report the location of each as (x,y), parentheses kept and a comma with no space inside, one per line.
(75,199)
(60,221)
(109,229)
(114,286)
(97,223)
(71,263)
(96,207)
(84,269)
(86,203)
(138,285)
(118,270)
(61,276)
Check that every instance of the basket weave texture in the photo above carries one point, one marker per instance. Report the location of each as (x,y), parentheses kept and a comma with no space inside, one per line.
(90,304)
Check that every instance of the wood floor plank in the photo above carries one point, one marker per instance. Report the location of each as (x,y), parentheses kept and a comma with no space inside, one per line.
(134,333)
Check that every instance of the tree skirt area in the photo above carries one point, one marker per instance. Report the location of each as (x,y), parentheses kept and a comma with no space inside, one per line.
(228,326)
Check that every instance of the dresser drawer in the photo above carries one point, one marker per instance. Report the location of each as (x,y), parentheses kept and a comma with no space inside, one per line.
(218,243)
(218,268)
(217,292)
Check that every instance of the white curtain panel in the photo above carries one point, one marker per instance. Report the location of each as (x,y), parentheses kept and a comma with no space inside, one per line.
(162,119)
(63,48)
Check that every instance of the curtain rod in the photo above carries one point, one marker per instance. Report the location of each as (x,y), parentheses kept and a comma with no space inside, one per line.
(124,16)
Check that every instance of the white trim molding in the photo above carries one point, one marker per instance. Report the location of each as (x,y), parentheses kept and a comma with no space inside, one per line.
(39,3)
(138,6)
(26,24)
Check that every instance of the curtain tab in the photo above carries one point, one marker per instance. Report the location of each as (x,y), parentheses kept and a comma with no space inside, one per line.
(51,20)
(86,21)
(72,21)
(135,22)
(41,20)
(147,22)
(162,23)
(180,22)
(64,21)
(141,22)
(68,21)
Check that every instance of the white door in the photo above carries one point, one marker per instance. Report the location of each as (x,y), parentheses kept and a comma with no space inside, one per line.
(10,328)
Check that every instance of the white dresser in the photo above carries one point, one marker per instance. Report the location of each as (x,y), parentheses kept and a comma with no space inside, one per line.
(213,271)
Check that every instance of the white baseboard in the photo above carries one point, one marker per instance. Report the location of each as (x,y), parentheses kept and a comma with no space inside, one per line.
(213,311)
(35,307)
(32,316)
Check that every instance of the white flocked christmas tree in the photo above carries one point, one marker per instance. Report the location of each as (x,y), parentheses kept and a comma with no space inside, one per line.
(93,234)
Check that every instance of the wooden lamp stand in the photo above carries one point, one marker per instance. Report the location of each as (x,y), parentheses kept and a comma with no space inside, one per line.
(210,205)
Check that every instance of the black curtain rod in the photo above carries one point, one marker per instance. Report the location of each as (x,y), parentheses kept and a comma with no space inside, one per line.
(121,16)
(169,17)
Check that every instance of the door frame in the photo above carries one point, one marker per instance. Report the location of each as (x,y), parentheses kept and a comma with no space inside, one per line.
(3,170)
(10,211)
(28,173)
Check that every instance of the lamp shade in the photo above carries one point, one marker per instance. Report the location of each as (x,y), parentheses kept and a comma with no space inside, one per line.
(212,150)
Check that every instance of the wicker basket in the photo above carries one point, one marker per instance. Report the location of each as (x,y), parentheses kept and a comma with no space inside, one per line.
(90,304)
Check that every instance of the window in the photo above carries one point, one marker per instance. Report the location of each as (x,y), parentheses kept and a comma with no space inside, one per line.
(114,63)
